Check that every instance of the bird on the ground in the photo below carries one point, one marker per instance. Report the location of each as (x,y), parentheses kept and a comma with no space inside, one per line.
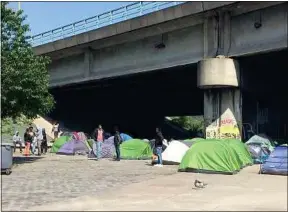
(199,184)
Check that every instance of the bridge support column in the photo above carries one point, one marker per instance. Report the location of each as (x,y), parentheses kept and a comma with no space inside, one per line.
(220,79)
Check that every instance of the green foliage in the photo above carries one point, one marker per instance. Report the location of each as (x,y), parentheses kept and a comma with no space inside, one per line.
(8,124)
(24,76)
(191,123)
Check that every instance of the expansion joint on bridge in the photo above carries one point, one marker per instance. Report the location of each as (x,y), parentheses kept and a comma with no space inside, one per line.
(88,58)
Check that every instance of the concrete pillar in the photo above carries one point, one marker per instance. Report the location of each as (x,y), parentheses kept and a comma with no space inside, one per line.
(220,79)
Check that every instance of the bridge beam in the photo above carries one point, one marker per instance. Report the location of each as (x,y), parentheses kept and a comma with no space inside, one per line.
(220,79)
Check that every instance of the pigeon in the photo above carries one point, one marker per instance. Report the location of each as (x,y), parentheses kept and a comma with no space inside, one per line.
(199,184)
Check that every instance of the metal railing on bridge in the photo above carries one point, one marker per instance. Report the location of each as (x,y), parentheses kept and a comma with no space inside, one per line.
(114,16)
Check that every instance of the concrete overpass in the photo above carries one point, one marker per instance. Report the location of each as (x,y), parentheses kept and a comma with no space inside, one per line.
(176,36)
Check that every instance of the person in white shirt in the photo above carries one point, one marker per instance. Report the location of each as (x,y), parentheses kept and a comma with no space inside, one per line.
(39,136)
(55,129)
(17,140)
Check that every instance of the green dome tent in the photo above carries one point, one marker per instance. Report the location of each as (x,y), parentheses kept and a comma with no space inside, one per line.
(135,149)
(59,142)
(215,156)
(241,150)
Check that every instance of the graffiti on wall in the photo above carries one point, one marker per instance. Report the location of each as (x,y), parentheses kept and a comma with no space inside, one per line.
(212,129)
(229,129)
(212,132)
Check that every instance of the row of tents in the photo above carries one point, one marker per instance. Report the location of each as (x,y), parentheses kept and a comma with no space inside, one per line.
(196,155)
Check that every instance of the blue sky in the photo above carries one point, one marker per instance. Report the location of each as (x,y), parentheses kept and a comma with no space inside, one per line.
(44,16)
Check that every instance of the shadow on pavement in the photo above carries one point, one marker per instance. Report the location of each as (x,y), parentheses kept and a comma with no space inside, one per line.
(17,160)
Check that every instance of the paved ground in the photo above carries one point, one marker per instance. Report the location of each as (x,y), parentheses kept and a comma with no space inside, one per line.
(73,183)
(59,178)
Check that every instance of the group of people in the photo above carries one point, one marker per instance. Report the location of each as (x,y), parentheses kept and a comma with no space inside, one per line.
(98,136)
(38,139)
(33,139)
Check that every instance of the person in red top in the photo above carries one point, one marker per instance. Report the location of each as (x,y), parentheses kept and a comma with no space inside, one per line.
(98,137)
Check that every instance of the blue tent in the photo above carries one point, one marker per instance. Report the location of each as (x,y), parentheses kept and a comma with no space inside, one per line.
(125,137)
(276,162)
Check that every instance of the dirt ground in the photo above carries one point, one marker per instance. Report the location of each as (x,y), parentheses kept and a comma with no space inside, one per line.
(75,183)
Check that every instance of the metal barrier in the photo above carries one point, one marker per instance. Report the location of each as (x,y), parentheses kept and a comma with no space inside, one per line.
(114,16)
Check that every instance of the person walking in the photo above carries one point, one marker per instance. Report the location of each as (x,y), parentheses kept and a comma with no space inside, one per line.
(17,140)
(44,145)
(98,136)
(158,144)
(117,141)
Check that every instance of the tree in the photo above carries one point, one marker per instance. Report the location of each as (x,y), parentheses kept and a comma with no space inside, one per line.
(24,76)
(191,123)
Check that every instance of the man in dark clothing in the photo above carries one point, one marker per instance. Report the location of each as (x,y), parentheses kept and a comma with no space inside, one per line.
(117,142)
(44,145)
(158,144)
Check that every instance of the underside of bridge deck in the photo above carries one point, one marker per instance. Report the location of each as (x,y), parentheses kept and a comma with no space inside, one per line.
(137,103)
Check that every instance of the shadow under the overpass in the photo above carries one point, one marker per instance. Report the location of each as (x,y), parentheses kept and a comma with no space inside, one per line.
(265,87)
(136,103)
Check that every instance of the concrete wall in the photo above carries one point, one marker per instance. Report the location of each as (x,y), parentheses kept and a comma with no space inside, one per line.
(272,35)
(67,68)
(182,47)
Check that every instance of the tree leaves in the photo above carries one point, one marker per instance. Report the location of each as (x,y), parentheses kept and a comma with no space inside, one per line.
(24,76)
(191,123)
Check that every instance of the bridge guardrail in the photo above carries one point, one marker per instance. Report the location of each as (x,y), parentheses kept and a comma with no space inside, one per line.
(114,16)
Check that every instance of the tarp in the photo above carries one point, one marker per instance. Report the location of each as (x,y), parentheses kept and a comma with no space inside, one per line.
(261,140)
(73,147)
(277,162)
(59,142)
(108,148)
(259,147)
(135,149)
(174,152)
(125,137)
(214,156)
(258,152)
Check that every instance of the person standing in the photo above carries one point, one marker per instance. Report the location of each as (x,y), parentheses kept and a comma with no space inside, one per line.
(98,137)
(32,139)
(117,141)
(55,129)
(27,140)
(17,140)
(44,145)
(158,144)
(39,136)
